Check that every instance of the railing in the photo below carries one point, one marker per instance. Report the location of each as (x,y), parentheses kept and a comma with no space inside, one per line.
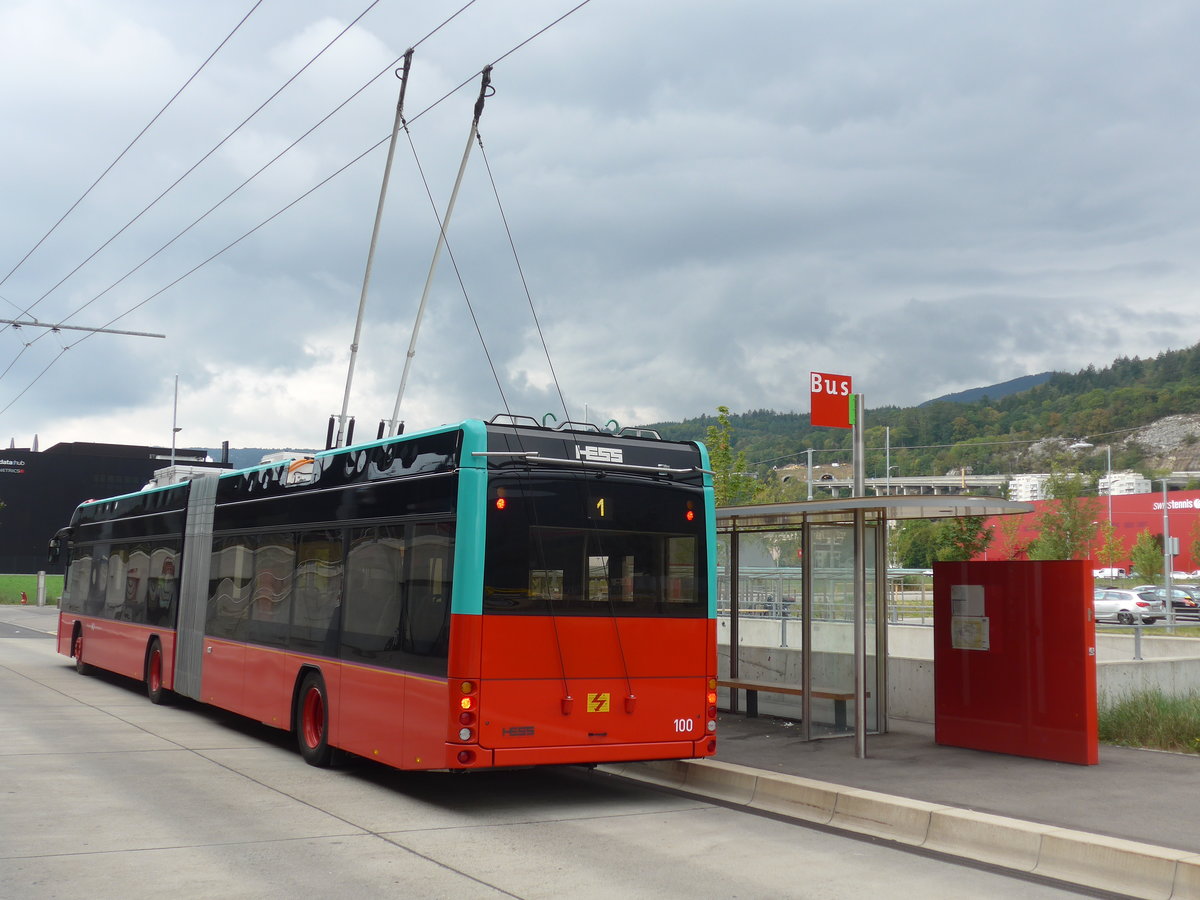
(832,602)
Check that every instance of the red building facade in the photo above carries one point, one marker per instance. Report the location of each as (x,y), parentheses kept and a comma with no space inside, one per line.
(1131,515)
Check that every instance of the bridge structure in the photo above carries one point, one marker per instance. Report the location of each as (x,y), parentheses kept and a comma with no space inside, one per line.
(953,485)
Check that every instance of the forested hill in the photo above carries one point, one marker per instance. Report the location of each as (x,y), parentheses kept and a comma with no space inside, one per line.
(1102,405)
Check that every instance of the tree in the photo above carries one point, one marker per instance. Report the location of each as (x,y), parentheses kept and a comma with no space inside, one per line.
(961,538)
(1112,549)
(919,543)
(732,483)
(915,544)
(1066,528)
(1010,546)
(1147,556)
(1195,543)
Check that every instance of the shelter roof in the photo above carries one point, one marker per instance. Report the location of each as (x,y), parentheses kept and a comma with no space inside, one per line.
(796,513)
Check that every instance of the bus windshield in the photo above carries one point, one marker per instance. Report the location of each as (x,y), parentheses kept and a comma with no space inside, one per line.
(581,546)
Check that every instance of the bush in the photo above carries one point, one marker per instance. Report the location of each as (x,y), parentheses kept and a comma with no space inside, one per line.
(1152,719)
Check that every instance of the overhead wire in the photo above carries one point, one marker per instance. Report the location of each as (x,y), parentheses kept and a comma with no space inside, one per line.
(307,193)
(259,172)
(129,146)
(524,283)
(202,159)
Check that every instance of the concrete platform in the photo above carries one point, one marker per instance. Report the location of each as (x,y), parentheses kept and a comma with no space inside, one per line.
(1130,825)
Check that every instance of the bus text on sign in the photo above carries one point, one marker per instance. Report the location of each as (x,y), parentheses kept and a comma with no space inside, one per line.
(831,399)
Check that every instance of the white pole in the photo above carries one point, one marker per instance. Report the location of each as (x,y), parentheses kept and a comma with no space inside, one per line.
(174,419)
(887,461)
(1108,449)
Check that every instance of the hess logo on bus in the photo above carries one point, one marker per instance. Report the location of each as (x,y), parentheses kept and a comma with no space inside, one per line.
(599,454)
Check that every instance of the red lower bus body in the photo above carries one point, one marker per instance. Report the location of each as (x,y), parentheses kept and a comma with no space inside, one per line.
(523,689)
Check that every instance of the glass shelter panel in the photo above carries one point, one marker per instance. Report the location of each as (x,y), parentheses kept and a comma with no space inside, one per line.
(832,630)
(769,594)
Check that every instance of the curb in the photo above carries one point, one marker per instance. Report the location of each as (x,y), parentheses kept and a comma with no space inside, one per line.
(1075,857)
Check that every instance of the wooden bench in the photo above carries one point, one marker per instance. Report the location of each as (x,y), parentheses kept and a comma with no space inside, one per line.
(752,688)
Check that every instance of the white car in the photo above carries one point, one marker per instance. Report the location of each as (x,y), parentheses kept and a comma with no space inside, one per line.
(1127,607)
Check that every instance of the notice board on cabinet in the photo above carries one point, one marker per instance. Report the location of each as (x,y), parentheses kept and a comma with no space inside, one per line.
(1014,658)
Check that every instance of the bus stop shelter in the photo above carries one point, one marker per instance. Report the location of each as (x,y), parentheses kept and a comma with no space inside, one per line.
(803,601)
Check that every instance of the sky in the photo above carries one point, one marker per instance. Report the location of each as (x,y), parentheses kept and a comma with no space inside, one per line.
(707,201)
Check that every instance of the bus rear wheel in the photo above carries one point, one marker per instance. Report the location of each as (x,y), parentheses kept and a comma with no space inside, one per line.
(312,721)
(154,674)
(77,651)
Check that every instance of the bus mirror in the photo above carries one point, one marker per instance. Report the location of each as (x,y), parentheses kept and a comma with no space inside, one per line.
(53,550)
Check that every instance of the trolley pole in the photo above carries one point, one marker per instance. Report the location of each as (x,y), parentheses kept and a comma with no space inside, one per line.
(362,297)
(485,90)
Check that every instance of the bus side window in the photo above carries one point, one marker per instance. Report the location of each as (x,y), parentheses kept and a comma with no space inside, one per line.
(271,601)
(374,594)
(317,592)
(427,618)
(230,580)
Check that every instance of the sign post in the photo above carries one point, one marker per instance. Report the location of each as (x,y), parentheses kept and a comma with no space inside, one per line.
(835,405)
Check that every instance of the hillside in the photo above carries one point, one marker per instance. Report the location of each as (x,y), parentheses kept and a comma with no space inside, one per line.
(1147,410)
(994,391)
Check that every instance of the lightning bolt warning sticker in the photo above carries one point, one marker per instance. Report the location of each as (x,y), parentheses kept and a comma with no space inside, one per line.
(597,702)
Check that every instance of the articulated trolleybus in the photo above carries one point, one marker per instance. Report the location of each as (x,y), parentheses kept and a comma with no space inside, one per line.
(476,595)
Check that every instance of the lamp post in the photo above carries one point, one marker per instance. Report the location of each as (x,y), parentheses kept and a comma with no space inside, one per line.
(1084,445)
(1168,557)
(889,479)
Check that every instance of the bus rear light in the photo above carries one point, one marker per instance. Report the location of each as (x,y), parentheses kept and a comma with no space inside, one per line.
(712,697)
(501,503)
(467,718)
(467,702)
(467,687)
(712,747)
(712,724)
(466,757)
(691,515)
(712,684)
(712,712)
(465,734)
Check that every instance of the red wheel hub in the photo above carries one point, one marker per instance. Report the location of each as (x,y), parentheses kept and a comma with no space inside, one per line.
(313,723)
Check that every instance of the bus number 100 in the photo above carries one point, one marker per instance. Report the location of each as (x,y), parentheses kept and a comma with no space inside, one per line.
(685,726)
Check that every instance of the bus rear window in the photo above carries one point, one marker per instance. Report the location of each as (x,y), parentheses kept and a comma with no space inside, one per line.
(539,562)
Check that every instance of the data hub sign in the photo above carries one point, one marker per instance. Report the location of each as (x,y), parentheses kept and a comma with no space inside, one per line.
(831,400)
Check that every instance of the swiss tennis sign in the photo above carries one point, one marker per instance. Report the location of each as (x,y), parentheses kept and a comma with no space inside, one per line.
(831,399)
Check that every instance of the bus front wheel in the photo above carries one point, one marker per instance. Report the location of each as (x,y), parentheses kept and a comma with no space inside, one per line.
(312,721)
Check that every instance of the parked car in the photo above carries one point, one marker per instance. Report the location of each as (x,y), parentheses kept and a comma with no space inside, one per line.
(1185,598)
(1127,607)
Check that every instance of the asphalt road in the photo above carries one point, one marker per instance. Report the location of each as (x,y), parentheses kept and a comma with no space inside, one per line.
(103,794)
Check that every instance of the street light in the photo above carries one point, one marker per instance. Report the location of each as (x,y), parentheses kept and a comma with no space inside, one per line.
(889,479)
(1084,445)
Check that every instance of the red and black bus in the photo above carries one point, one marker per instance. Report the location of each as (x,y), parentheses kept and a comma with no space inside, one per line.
(480,594)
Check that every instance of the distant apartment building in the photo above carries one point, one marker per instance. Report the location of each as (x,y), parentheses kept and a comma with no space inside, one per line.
(1027,488)
(1124,483)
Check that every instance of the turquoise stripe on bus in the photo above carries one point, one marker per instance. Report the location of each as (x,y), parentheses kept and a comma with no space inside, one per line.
(470,525)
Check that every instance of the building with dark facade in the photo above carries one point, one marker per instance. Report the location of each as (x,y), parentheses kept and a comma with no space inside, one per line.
(40,490)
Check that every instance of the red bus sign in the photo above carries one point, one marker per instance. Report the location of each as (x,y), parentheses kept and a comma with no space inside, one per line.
(831,399)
